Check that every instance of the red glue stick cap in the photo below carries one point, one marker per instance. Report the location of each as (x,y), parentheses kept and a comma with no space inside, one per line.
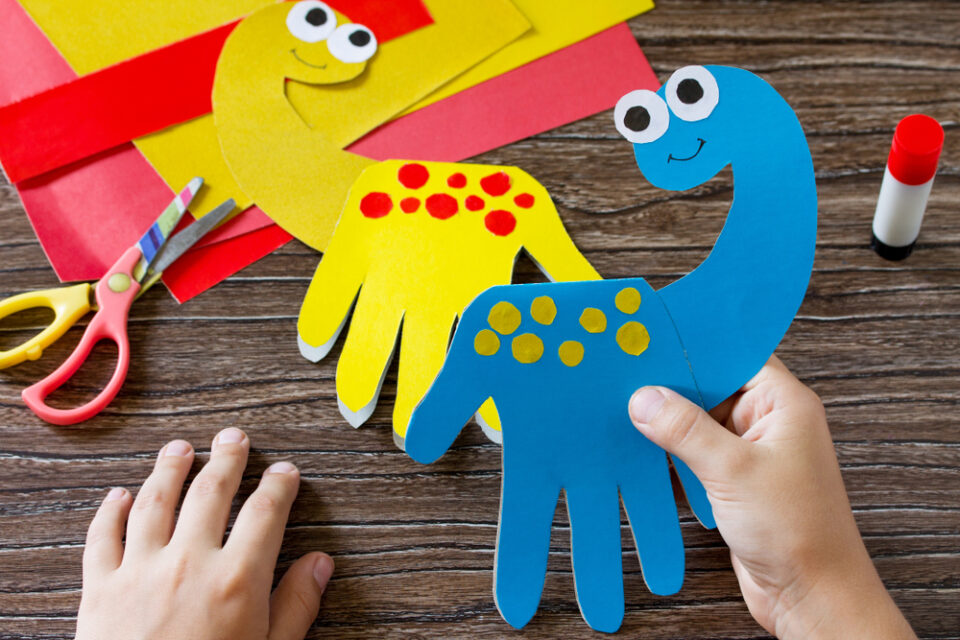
(917,143)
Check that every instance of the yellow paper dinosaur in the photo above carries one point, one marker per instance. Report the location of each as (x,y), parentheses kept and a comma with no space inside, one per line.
(420,239)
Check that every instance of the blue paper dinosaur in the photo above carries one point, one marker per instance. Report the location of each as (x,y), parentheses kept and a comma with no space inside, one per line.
(562,359)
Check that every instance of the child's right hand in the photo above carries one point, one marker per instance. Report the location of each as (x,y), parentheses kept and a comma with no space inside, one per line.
(767,462)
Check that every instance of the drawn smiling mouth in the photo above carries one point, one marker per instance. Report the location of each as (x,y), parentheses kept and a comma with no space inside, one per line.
(315,66)
(672,157)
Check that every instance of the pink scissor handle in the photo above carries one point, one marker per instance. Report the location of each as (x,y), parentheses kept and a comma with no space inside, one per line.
(115,293)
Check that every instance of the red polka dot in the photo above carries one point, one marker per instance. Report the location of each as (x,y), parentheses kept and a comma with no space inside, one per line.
(496,184)
(413,175)
(376,204)
(457,181)
(474,203)
(409,205)
(524,200)
(500,222)
(442,205)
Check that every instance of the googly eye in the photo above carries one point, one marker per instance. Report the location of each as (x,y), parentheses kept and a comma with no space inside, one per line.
(352,43)
(692,93)
(641,116)
(311,21)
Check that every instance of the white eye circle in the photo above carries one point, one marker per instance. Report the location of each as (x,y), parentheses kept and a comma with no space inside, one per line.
(311,21)
(641,116)
(692,93)
(352,43)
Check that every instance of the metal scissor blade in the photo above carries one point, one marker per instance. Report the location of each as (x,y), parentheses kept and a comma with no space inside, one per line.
(152,242)
(178,244)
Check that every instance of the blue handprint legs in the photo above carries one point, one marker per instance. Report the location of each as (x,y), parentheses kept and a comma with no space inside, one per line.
(594,464)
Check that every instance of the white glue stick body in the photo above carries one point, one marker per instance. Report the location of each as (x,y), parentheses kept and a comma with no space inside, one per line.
(911,166)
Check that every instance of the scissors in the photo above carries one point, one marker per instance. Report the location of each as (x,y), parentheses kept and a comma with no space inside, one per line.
(134,272)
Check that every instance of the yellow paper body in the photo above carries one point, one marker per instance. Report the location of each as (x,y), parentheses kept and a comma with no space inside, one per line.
(284,141)
(92,34)
(422,271)
(556,24)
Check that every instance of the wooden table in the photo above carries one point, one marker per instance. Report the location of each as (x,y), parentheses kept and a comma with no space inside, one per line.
(879,341)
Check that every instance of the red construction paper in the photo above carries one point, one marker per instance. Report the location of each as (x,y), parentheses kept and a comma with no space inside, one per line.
(199,269)
(564,86)
(101,110)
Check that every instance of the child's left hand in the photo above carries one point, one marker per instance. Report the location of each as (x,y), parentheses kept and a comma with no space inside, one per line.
(176,577)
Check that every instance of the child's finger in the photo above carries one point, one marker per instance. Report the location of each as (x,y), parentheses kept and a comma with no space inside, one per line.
(206,507)
(151,519)
(258,531)
(296,601)
(686,430)
(104,547)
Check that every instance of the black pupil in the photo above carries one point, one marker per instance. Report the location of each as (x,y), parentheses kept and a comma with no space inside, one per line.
(359,38)
(637,118)
(317,17)
(689,91)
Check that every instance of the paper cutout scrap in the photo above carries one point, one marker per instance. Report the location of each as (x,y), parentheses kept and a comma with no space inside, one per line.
(284,142)
(96,112)
(419,241)
(578,81)
(113,190)
(556,24)
(556,381)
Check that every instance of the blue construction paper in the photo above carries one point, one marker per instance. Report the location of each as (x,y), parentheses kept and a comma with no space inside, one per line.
(565,422)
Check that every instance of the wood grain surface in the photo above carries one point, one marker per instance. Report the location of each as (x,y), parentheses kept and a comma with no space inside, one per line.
(879,341)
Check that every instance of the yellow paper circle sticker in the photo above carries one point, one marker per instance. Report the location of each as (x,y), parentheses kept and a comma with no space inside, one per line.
(633,338)
(486,342)
(527,348)
(593,320)
(571,353)
(504,317)
(543,309)
(628,300)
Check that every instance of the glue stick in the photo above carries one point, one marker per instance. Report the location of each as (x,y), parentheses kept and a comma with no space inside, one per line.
(911,166)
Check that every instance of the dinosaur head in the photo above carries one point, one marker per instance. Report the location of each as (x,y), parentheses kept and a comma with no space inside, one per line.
(309,42)
(700,121)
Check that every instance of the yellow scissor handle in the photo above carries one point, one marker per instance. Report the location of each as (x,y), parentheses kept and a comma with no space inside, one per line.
(68,303)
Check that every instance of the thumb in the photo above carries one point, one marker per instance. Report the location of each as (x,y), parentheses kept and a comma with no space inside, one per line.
(684,429)
(296,601)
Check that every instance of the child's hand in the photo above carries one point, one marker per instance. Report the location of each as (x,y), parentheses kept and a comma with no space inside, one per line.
(177,577)
(779,501)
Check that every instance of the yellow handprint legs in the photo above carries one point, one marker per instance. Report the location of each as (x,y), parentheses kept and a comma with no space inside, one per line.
(420,241)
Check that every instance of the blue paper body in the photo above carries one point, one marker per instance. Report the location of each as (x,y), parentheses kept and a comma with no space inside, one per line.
(566,427)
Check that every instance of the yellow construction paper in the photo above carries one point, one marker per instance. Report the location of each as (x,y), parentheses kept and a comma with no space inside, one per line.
(419,241)
(556,24)
(283,140)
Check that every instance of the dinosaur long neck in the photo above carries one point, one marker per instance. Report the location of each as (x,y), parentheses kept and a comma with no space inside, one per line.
(732,310)
(292,171)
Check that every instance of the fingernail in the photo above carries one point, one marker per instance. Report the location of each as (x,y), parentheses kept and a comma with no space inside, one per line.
(645,404)
(281,467)
(115,494)
(322,570)
(177,448)
(230,436)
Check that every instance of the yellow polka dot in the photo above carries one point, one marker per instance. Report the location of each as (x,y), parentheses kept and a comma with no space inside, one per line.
(504,317)
(633,338)
(527,348)
(593,320)
(571,353)
(628,300)
(486,343)
(543,310)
